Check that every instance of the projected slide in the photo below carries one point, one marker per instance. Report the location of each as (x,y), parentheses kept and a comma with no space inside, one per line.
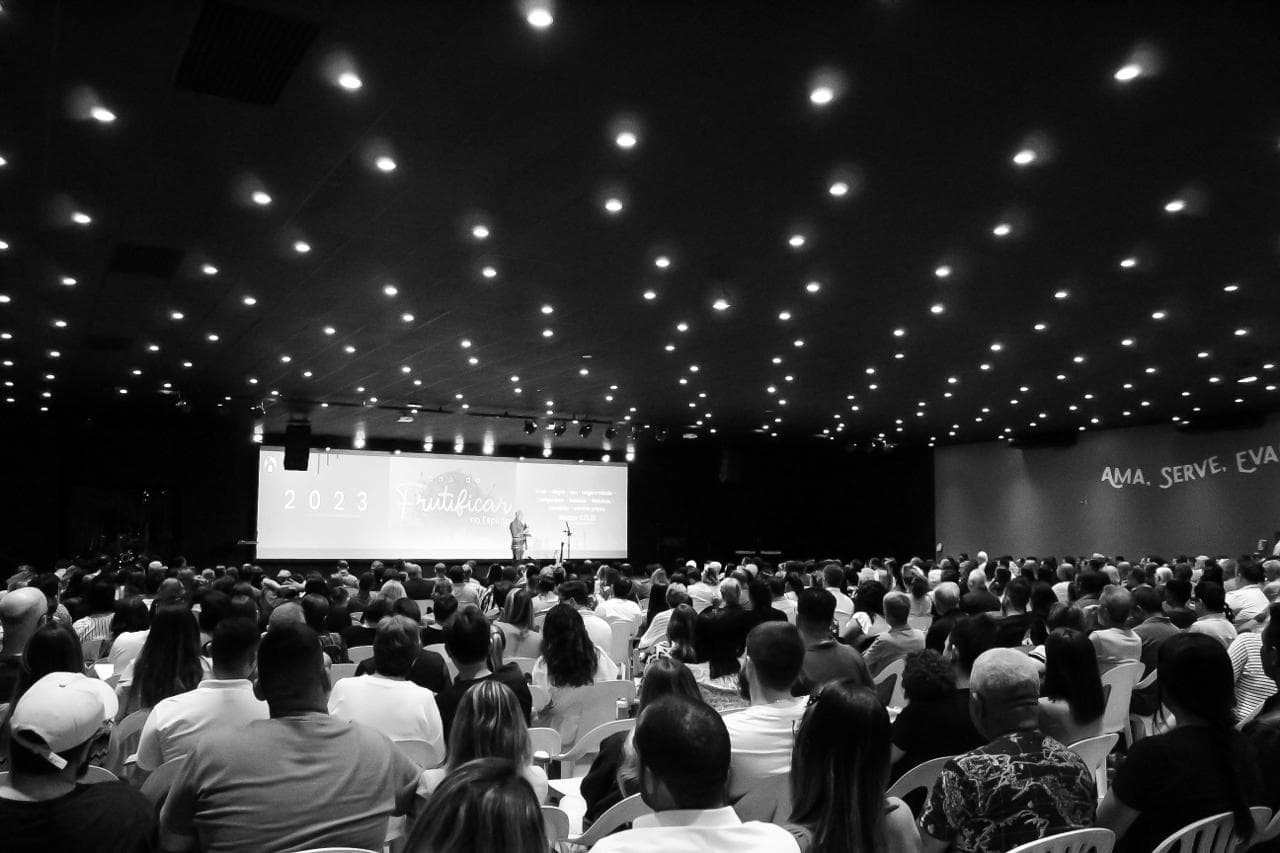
(353,504)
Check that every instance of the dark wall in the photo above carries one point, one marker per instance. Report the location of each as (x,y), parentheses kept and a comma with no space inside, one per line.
(1057,500)
(185,485)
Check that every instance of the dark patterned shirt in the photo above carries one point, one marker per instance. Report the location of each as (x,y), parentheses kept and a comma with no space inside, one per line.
(1016,789)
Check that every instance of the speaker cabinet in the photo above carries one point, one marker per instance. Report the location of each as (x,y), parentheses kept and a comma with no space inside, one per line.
(297,447)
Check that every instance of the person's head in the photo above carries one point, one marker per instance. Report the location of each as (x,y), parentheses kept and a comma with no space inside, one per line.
(21,612)
(444,609)
(833,577)
(730,592)
(977,581)
(102,596)
(1115,606)
(392,590)
(466,636)
(570,656)
(169,662)
(683,750)
(52,648)
(291,676)
(1146,602)
(395,646)
(286,613)
(971,637)
(677,594)
(775,656)
(488,723)
(1210,598)
(485,804)
(55,724)
(897,607)
(869,597)
(927,676)
(1017,595)
(517,610)
(234,647)
(946,597)
(666,676)
(170,591)
(315,612)
(574,593)
(815,611)
(1004,689)
(407,607)
(1091,583)
(1071,674)
(1177,593)
(378,608)
(682,633)
(840,768)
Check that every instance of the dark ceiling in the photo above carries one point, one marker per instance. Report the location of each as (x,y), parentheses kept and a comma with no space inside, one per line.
(1055,215)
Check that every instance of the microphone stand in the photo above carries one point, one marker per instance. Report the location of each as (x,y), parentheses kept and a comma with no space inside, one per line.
(569,537)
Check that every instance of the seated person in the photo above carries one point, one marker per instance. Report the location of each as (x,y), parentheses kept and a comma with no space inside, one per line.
(467,640)
(263,780)
(43,805)
(362,634)
(683,754)
(1263,733)
(1021,786)
(486,805)
(1115,642)
(900,640)
(1073,702)
(762,735)
(825,659)
(569,663)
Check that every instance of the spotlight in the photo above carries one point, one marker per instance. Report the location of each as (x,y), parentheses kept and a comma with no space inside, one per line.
(610,433)
(559,429)
(530,427)
(584,430)
(661,435)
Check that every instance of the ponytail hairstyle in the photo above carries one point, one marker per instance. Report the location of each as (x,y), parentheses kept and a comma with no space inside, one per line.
(1196,680)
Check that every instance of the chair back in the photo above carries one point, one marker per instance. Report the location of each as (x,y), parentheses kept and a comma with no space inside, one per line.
(124,740)
(1092,840)
(1213,834)
(525,664)
(357,654)
(540,697)
(1118,683)
(587,745)
(620,813)
(156,786)
(92,650)
(439,649)
(543,739)
(888,684)
(420,752)
(620,645)
(426,606)
(923,775)
(920,623)
(93,774)
(600,703)
(555,822)
(339,671)
(1094,751)
(1269,832)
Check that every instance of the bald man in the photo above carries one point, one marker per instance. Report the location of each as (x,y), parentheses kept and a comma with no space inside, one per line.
(21,613)
(1020,787)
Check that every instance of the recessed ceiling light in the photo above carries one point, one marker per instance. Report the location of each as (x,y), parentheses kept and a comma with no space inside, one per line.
(1176,205)
(4,245)
(898,333)
(350,81)
(650,295)
(1079,359)
(390,289)
(3,161)
(5,299)
(1230,288)
(1128,263)
(670,347)
(151,348)
(285,359)
(1040,327)
(626,139)
(1128,72)
(212,337)
(682,327)
(546,333)
(798,342)
(942,271)
(465,343)
(539,16)
(796,241)
(260,198)
(385,164)
(249,300)
(547,309)
(937,308)
(662,262)
(473,361)
(349,349)
(81,218)
(822,95)
(1061,294)
(1127,342)
(177,315)
(1025,157)
(613,205)
(302,247)
(1202,354)
(1003,229)
(102,114)
(60,324)
(489,272)
(721,304)
(68,281)
(407,317)
(813,286)
(209,269)
(480,232)
(1240,333)
(1158,315)
(839,189)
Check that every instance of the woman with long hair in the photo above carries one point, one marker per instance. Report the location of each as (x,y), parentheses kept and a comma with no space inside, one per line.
(129,628)
(839,772)
(679,644)
(1200,767)
(486,804)
(488,723)
(569,663)
(612,777)
(1072,705)
(516,625)
(168,664)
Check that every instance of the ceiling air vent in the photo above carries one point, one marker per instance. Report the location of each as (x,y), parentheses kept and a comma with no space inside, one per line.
(242,53)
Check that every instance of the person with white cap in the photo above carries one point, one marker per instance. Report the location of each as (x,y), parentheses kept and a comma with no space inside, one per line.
(43,806)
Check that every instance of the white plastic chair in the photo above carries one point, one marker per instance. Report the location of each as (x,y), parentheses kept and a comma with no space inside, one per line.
(1213,834)
(539,696)
(1094,751)
(544,740)
(620,645)
(587,745)
(156,786)
(923,775)
(1140,725)
(419,752)
(1118,683)
(93,774)
(1092,840)
(619,813)
(555,821)
(339,671)
(1264,831)
(897,697)
(124,738)
(358,654)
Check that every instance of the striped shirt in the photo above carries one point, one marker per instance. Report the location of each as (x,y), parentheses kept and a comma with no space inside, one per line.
(93,627)
(1253,687)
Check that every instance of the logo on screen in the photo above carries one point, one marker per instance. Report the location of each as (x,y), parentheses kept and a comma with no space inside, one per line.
(451,498)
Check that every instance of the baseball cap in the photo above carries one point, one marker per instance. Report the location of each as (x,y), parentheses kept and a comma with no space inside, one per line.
(155,565)
(690,564)
(62,709)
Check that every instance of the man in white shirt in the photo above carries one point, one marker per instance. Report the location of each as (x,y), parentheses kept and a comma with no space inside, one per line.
(1114,642)
(683,750)
(617,603)
(224,702)
(388,701)
(574,593)
(900,640)
(705,591)
(833,581)
(763,735)
(657,630)
(1247,601)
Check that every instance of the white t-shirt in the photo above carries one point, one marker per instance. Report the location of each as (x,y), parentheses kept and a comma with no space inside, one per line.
(598,629)
(620,608)
(176,723)
(399,709)
(702,595)
(698,831)
(1246,604)
(126,648)
(657,630)
(762,737)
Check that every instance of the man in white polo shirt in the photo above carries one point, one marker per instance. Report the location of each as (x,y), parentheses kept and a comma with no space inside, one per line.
(225,701)
(683,750)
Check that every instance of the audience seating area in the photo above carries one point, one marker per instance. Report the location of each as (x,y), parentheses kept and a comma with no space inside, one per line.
(1037,705)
